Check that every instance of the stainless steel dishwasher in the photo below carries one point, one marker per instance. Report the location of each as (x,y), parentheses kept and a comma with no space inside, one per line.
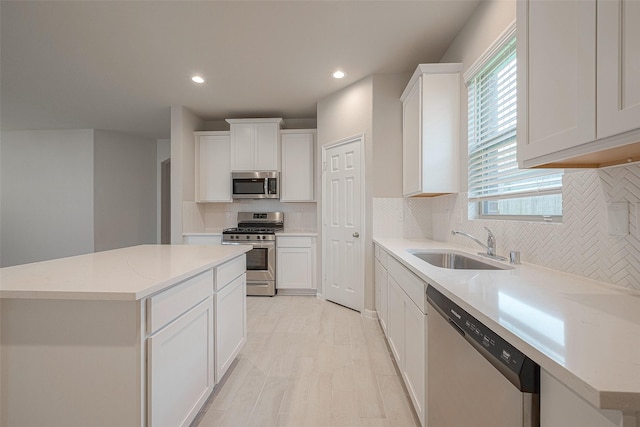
(475,377)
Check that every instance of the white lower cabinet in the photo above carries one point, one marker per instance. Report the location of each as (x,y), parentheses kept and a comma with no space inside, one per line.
(395,325)
(406,333)
(194,332)
(415,356)
(561,407)
(231,324)
(381,293)
(296,264)
(180,367)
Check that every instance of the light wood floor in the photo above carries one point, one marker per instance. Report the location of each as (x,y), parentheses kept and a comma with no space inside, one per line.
(309,362)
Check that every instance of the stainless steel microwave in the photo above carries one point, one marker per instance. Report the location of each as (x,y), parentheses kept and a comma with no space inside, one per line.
(255,185)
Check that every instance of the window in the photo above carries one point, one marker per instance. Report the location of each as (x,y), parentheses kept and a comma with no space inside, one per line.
(496,184)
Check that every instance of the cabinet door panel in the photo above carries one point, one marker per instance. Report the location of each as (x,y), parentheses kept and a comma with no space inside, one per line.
(180,368)
(381,294)
(395,316)
(440,133)
(411,142)
(295,266)
(297,178)
(556,75)
(243,150)
(231,324)
(267,152)
(415,357)
(214,171)
(618,65)
(561,407)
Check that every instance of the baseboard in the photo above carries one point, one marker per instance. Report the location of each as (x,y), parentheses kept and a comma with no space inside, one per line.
(370,314)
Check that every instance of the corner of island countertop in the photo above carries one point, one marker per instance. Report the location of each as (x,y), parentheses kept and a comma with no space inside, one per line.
(130,273)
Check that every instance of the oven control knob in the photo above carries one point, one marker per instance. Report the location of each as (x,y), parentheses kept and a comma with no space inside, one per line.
(247,237)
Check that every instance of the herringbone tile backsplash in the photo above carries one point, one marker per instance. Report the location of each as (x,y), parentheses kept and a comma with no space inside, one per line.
(580,245)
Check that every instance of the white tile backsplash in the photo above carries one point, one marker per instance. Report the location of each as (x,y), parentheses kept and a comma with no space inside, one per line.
(580,245)
(212,217)
(399,217)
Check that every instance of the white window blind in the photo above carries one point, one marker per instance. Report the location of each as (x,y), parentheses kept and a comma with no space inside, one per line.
(493,167)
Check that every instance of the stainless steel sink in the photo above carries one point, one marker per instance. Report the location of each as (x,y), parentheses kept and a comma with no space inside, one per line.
(455,260)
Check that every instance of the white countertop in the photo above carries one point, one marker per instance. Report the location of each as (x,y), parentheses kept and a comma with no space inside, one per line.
(122,274)
(293,233)
(584,332)
(204,233)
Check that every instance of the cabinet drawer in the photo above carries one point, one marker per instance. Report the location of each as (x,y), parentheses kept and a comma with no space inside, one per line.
(413,286)
(381,255)
(229,271)
(294,242)
(168,305)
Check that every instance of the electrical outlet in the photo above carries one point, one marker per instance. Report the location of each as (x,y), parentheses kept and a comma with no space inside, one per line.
(618,218)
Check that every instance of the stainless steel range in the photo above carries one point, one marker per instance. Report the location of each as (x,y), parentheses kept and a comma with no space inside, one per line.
(259,230)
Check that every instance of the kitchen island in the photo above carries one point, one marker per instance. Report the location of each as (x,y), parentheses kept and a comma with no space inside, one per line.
(129,337)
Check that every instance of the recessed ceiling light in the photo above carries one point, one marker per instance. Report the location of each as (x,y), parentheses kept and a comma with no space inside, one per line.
(197,79)
(338,74)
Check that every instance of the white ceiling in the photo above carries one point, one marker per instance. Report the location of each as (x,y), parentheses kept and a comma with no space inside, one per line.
(120,65)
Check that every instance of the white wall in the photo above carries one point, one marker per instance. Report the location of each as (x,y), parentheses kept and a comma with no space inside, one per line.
(489,21)
(341,115)
(125,212)
(387,131)
(163,152)
(183,124)
(371,107)
(47,195)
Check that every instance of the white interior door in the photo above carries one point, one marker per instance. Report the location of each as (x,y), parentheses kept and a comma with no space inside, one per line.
(342,219)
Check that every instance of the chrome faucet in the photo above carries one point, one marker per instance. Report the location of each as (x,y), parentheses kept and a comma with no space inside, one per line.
(490,247)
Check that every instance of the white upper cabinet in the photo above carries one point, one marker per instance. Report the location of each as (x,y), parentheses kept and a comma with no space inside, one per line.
(297,182)
(578,96)
(255,144)
(618,66)
(431,131)
(556,54)
(213,170)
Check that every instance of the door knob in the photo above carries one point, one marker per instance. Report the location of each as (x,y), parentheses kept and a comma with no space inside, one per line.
(356,234)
